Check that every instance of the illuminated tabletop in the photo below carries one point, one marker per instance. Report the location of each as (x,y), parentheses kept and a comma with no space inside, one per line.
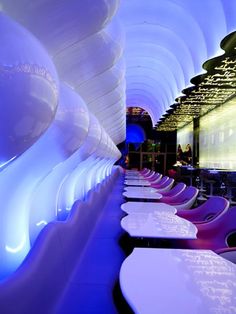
(129,177)
(140,182)
(132,171)
(145,207)
(168,281)
(142,195)
(140,189)
(134,175)
(158,225)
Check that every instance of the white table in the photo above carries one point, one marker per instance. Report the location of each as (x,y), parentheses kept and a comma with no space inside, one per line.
(142,195)
(146,207)
(138,182)
(134,177)
(158,225)
(132,172)
(168,281)
(140,189)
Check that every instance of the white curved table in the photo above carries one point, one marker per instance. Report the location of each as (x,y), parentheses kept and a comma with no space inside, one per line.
(140,189)
(132,172)
(129,177)
(135,175)
(146,207)
(168,281)
(142,195)
(142,182)
(158,225)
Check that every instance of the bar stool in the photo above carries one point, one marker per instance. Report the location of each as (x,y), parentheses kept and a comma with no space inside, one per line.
(210,178)
(190,171)
(211,183)
(202,189)
(229,185)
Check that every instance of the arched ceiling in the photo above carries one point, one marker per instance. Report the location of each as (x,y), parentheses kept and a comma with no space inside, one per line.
(167,41)
(127,53)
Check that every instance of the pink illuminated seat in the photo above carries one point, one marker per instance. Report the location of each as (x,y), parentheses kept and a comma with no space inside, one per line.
(159,183)
(207,211)
(213,235)
(155,178)
(177,189)
(144,171)
(150,175)
(183,200)
(228,253)
(166,186)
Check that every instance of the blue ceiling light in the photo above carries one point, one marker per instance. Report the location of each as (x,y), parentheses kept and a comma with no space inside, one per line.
(135,134)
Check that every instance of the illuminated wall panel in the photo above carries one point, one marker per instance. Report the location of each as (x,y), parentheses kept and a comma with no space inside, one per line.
(47,128)
(217,139)
(185,136)
(85,42)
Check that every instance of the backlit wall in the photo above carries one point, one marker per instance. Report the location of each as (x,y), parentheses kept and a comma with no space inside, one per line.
(185,136)
(217,138)
(54,141)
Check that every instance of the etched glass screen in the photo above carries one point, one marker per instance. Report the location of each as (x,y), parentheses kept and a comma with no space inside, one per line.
(217,138)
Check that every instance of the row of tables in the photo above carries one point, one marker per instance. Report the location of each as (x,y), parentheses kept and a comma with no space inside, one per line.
(140,188)
(155,220)
(160,280)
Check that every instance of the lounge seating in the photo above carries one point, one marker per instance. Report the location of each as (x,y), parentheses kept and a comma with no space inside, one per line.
(166,186)
(150,175)
(177,189)
(207,211)
(213,235)
(228,253)
(145,171)
(159,184)
(153,177)
(183,200)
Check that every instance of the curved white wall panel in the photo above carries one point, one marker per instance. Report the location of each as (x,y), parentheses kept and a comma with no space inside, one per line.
(77,64)
(63,24)
(81,39)
(35,172)
(28,90)
(104,83)
(62,149)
